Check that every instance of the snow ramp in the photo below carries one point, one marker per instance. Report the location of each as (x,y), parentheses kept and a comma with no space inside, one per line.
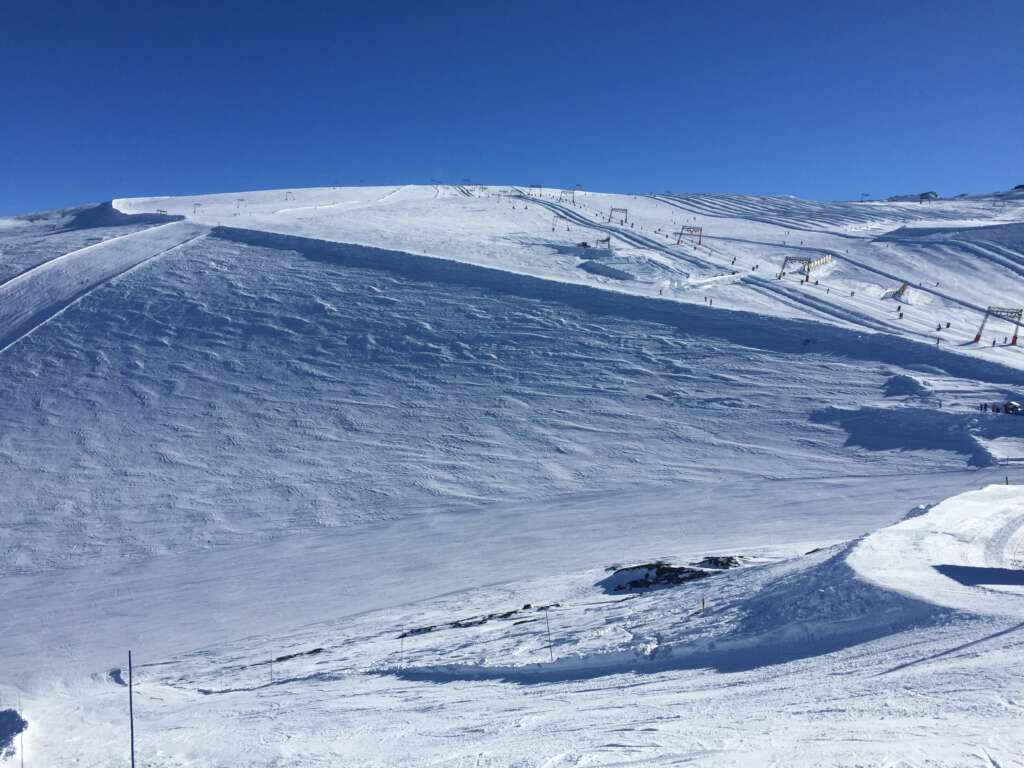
(966,553)
(43,292)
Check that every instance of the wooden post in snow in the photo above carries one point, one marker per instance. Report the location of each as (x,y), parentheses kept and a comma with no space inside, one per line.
(547,621)
(131,710)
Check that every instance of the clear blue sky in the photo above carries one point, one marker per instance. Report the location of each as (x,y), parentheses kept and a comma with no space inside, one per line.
(820,99)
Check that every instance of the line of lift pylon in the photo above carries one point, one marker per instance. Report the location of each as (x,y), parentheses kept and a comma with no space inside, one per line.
(1006,313)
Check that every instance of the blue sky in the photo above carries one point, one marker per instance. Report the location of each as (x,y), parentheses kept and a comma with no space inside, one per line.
(819,99)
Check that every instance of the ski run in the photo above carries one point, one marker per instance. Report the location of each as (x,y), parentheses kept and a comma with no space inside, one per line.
(463,475)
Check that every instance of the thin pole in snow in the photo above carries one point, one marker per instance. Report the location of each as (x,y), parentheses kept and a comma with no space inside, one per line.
(131,710)
(271,668)
(21,737)
(401,652)
(547,621)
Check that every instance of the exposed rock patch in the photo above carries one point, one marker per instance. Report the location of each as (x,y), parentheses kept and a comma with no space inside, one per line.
(659,574)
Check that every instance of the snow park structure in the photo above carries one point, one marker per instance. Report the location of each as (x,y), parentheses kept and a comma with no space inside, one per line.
(897,293)
(805,263)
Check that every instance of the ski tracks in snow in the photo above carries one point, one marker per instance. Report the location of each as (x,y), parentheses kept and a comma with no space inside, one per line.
(45,291)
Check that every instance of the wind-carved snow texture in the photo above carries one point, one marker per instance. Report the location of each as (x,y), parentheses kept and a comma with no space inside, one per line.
(331,395)
(39,294)
(389,439)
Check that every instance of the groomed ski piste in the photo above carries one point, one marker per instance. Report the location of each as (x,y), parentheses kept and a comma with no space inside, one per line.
(512,476)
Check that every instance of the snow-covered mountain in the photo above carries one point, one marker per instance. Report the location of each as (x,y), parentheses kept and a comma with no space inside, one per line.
(347,469)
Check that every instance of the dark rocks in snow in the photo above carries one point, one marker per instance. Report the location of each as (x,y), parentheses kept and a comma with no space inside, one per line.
(650,576)
(290,656)
(11,724)
(476,621)
(720,562)
(418,631)
(659,574)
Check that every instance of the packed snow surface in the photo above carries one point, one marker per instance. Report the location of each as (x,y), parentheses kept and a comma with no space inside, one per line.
(348,469)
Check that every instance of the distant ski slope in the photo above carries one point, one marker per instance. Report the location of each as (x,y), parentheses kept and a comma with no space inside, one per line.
(876,247)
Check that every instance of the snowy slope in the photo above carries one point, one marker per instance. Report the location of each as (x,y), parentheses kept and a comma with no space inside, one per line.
(875,246)
(253,425)
(967,553)
(795,659)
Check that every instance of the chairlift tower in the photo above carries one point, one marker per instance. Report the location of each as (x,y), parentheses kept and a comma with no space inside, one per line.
(622,212)
(559,219)
(567,195)
(1009,314)
(697,232)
